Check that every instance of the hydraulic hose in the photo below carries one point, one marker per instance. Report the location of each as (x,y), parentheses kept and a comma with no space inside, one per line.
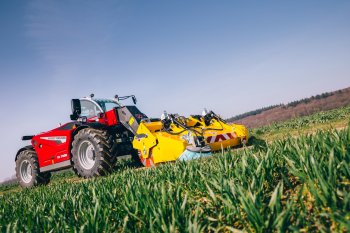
(185,127)
(177,122)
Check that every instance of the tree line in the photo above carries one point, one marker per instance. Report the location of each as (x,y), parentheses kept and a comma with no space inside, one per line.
(290,104)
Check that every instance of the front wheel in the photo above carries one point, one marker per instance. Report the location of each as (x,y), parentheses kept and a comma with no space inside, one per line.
(92,152)
(27,170)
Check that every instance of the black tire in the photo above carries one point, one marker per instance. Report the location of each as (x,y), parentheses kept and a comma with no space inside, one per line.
(27,170)
(99,157)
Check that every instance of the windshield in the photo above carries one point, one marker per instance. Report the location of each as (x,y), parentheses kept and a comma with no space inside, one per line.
(107,105)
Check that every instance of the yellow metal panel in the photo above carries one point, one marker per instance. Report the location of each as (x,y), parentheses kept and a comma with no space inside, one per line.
(169,148)
(144,140)
(153,126)
(163,146)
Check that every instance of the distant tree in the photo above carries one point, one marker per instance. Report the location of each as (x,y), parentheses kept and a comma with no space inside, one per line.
(307,100)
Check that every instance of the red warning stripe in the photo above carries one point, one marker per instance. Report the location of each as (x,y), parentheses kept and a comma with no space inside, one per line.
(221,137)
(147,162)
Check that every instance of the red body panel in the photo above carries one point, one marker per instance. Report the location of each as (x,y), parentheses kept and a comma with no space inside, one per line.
(54,146)
(110,118)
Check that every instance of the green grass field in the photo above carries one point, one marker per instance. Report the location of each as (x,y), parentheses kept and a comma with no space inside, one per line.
(288,183)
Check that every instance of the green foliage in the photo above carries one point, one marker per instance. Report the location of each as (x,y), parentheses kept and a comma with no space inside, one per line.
(63,175)
(298,184)
(6,187)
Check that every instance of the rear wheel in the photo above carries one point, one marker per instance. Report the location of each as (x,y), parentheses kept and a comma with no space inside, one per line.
(27,170)
(92,152)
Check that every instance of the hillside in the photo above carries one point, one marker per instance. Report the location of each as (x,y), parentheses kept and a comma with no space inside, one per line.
(304,107)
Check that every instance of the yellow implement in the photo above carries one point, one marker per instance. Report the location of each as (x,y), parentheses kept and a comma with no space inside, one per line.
(168,140)
(217,132)
(175,137)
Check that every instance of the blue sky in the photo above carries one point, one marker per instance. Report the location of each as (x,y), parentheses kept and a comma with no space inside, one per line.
(179,56)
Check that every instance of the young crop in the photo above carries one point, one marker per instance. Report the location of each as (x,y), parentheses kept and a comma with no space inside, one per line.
(297,184)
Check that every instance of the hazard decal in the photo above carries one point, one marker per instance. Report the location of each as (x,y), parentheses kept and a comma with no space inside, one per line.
(147,162)
(221,137)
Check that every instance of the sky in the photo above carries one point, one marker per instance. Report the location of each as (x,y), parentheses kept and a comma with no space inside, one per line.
(179,56)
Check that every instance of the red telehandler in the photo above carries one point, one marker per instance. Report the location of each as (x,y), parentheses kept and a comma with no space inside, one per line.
(100,131)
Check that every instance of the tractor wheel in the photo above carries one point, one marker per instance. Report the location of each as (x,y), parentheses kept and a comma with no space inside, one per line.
(27,170)
(92,153)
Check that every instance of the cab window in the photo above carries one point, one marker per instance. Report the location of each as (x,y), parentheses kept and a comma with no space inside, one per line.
(107,105)
(89,109)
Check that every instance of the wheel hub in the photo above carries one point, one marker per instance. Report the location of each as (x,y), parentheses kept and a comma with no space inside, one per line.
(86,155)
(26,171)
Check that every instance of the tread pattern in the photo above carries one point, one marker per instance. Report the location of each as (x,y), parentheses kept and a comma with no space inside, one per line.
(38,178)
(104,149)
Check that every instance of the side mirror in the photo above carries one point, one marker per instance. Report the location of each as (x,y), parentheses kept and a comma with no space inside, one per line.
(76,109)
(134,99)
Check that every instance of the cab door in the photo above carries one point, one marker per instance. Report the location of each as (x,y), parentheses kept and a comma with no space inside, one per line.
(89,109)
